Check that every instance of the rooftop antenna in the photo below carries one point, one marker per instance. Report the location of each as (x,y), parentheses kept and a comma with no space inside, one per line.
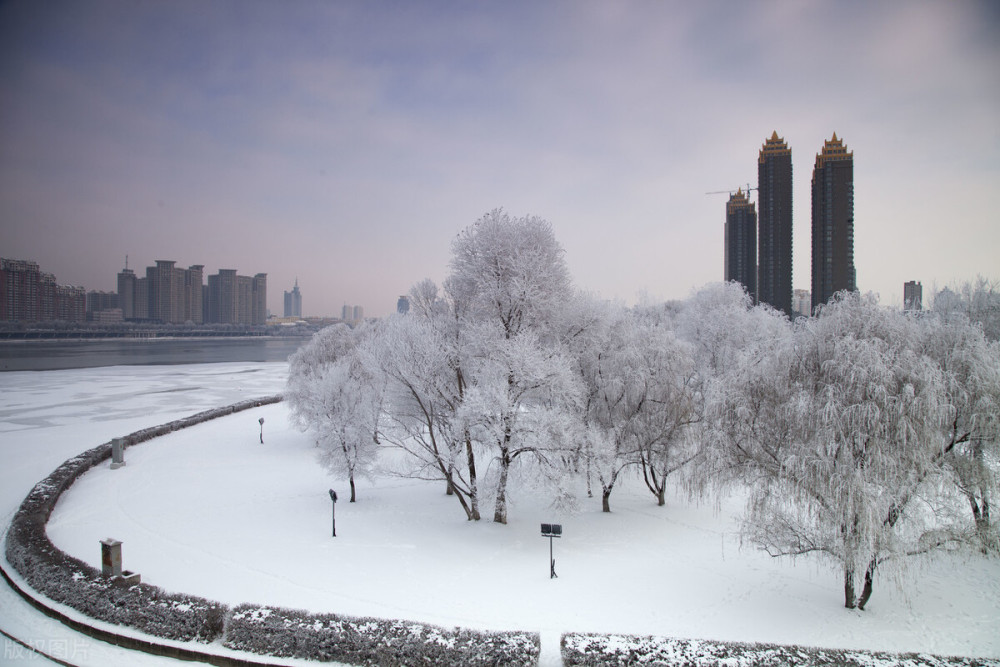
(126,261)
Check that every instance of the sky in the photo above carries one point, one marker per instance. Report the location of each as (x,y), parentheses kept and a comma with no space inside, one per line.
(346,144)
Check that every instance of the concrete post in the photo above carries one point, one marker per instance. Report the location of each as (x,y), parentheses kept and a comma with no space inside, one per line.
(111,558)
(117,453)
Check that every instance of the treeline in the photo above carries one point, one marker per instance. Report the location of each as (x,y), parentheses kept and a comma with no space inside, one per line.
(865,434)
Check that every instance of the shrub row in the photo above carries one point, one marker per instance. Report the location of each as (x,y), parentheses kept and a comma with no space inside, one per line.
(595,650)
(371,641)
(261,630)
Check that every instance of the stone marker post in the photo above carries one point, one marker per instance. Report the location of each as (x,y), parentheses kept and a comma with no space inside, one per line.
(117,453)
(111,558)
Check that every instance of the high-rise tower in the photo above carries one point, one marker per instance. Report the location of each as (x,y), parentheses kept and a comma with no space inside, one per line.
(741,242)
(774,245)
(832,222)
(293,301)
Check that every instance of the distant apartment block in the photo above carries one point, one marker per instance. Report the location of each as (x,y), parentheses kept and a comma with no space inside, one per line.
(741,243)
(403,305)
(29,295)
(127,293)
(172,295)
(175,294)
(913,295)
(293,301)
(352,313)
(801,302)
(235,299)
(102,302)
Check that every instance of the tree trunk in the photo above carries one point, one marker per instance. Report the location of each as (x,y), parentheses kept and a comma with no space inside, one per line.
(500,510)
(353,491)
(605,500)
(981,517)
(866,592)
(849,601)
(473,484)
(659,496)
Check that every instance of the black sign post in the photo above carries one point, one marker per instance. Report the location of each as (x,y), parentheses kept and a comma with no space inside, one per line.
(333,497)
(551,530)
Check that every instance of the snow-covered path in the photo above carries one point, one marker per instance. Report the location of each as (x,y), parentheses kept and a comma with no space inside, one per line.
(211,511)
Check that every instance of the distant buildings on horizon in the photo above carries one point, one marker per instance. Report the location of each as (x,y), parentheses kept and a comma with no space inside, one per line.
(166,294)
(29,295)
(913,295)
(293,301)
(352,313)
(758,252)
(171,295)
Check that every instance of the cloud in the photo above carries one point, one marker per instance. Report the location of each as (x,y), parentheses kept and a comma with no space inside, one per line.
(347,143)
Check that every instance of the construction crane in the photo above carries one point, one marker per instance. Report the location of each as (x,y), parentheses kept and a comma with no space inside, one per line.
(730,192)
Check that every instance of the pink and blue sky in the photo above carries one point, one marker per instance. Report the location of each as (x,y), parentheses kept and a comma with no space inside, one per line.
(347,143)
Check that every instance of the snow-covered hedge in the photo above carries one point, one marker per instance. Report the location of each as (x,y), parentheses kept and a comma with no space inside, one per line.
(372,641)
(621,650)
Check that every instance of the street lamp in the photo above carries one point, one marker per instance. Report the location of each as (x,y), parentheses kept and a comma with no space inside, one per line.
(261,420)
(551,530)
(333,497)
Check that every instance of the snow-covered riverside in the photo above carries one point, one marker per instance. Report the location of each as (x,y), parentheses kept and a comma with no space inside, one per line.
(211,511)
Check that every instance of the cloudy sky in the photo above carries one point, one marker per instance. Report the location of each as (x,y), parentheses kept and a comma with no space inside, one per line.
(347,143)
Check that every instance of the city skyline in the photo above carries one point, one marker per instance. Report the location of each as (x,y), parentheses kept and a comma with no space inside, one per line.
(347,144)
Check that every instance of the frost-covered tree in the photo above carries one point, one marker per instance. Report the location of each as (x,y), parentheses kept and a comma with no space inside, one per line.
(667,431)
(724,330)
(639,400)
(332,395)
(978,301)
(423,398)
(971,371)
(510,278)
(837,433)
(520,406)
(510,271)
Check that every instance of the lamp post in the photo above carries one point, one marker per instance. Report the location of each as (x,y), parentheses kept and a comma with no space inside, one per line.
(333,497)
(551,530)
(261,420)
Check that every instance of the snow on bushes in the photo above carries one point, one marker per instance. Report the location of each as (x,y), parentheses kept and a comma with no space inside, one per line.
(371,641)
(626,650)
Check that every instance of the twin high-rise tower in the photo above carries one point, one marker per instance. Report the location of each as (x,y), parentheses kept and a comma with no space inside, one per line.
(832,222)
(769,236)
(774,245)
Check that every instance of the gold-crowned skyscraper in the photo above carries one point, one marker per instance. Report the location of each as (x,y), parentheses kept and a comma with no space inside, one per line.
(832,222)
(741,243)
(774,223)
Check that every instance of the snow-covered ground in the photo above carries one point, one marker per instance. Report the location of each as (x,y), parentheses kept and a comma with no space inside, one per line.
(211,511)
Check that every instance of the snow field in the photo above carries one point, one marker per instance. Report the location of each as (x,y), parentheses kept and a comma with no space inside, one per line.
(212,512)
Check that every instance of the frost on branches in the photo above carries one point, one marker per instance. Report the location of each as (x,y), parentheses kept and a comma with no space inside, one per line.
(332,394)
(843,430)
(641,399)
(864,435)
